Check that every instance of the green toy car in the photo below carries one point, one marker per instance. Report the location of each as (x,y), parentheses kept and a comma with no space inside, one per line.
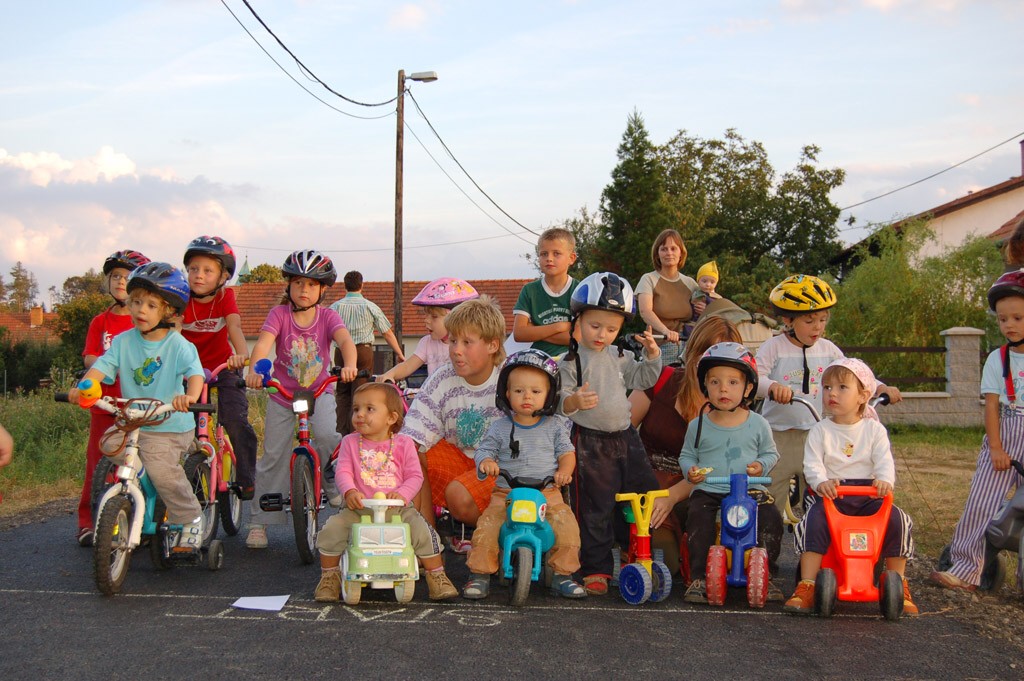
(379,555)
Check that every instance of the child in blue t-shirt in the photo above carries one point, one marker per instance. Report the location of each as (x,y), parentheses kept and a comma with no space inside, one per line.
(729,440)
(151,361)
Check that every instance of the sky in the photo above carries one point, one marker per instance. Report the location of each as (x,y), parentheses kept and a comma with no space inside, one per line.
(145,124)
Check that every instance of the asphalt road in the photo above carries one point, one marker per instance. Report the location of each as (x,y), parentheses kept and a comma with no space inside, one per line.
(180,624)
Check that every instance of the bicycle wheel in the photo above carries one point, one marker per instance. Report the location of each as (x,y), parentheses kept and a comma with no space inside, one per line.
(197,470)
(519,589)
(228,502)
(305,508)
(103,476)
(111,551)
(157,541)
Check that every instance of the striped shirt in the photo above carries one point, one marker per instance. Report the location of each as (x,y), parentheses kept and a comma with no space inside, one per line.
(361,316)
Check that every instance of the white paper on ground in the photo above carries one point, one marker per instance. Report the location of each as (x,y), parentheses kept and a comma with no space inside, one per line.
(272,603)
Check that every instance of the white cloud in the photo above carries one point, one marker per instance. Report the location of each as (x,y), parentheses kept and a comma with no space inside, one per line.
(410,16)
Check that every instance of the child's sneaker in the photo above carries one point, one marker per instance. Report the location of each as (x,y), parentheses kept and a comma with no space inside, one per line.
(774,593)
(329,588)
(802,600)
(909,608)
(439,586)
(948,580)
(461,545)
(478,587)
(257,538)
(85,536)
(697,592)
(191,537)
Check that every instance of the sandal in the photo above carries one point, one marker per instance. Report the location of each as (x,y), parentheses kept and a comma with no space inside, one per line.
(596,585)
(564,586)
(478,586)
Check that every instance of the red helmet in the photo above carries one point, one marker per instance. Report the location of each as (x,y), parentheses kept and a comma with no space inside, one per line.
(213,247)
(1010,284)
(126,259)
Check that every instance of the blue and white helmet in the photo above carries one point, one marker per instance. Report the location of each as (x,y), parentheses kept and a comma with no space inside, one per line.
(604,291)
(164,280)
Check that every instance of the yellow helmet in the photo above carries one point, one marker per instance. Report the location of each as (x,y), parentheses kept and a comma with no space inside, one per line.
(801,294)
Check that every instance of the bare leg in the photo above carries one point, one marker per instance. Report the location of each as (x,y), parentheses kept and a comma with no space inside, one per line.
(461,503)
(810,564)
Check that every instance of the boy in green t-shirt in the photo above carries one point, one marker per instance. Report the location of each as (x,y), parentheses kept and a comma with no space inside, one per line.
(542,313)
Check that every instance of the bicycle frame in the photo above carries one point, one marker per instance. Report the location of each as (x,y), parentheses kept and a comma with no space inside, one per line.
(223,445)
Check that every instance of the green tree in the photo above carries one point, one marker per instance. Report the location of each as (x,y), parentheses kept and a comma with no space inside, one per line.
(89,283)
(634,209)
(263,273)
(21,293)
(72,325)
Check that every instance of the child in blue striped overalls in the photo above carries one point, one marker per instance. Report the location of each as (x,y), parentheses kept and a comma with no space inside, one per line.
(1002,380)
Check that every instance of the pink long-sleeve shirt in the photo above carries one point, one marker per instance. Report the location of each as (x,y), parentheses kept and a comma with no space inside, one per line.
(370,466)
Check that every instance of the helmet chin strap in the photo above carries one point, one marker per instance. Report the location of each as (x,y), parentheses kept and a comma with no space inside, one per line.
(807,370)
(162,324)
(296,308)
(709,403)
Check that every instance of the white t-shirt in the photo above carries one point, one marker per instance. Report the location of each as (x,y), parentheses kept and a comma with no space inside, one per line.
(992,381)
(848,452)
(780,361)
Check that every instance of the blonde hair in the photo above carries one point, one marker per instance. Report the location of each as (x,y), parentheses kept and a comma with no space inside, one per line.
(555,234)
(708,331)
(392,401)
(838,372)
(480,316)
(665,235)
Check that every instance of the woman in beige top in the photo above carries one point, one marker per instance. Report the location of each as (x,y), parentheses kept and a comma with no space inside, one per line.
(663,295)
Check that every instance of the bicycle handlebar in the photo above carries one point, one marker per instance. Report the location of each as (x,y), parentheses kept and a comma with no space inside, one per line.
(726,480)
(264,367)
(106,404)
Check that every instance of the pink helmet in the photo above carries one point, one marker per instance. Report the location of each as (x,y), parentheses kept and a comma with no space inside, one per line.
(445,292)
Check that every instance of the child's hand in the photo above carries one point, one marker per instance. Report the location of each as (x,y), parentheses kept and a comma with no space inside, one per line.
(584,398)
(883,487)
(695,475)
(348,374)
(755,469)
(646,339)
(782,394)
(670,335)
(385,377)
(182,402)
(253,380)
(562,478)
(489,467)
(1000,459)
(698,307)
(893,392)
(354,499)
(396,495)
(237,361)
(73,395)
(828,489)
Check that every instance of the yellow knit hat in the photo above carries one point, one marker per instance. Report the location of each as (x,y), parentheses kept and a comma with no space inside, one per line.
(708,269)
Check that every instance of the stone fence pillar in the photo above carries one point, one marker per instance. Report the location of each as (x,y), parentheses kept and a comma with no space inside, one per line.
(963,362)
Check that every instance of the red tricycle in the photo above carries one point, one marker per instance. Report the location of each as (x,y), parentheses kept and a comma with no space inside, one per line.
(848,568)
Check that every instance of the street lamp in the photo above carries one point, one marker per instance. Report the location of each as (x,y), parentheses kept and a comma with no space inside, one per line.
(422,77)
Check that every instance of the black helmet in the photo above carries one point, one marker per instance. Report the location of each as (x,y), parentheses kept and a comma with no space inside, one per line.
(312,265)
(126,259)
(537,360)
(163,279)
(213,247)
(730,355)
(1009,284)
(603,291)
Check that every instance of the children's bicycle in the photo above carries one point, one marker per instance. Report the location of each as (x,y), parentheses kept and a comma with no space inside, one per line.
(131,509)
(307,496)
(220,458)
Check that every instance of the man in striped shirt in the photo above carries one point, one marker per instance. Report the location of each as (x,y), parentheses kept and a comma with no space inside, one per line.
(362,317)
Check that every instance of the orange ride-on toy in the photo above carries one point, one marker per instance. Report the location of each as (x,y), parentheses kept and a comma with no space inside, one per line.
(738,538)
(642,579)
(848,569)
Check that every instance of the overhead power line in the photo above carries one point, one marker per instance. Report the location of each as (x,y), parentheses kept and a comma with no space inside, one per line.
(378,250)
(306,68)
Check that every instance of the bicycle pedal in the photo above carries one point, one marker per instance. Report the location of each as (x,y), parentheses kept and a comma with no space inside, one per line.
(270,503)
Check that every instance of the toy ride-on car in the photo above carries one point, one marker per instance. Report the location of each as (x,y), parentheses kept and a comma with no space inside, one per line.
(848,568)
(379,554)
(737,560)
(642,578)
(525,536)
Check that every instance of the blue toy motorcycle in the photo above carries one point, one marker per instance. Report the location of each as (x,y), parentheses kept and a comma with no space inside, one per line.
(525,536)
(737,560)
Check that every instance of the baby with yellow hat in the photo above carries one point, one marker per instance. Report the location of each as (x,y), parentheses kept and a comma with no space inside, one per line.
(707,280)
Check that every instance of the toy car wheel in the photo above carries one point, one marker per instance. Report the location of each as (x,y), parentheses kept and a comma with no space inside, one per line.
(305,507)
(228,502)
(757,578)
(993,574)
(635,584)
(404,590)
(547,574)
(616,565)
(825,592)
(890,595)
(522,566)
(111,551)
(716,571)
(215,555)
(351,591)
(197,470)
(945,558)
(661,577)
(1020,567)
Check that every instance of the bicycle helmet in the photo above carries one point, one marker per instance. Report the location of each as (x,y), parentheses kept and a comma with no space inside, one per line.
(1009,284)
(445,292)
(126,259)
(537,360)
(603,291)
(801,294)
(213,247)
(163,279)
(732,355)
(312,265)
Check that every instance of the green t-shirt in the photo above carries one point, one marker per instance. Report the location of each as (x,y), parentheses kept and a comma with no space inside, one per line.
(543,308)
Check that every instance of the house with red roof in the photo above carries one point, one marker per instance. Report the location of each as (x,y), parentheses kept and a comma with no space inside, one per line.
(34,325)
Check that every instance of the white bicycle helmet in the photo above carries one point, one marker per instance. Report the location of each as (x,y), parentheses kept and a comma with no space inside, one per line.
(603,291)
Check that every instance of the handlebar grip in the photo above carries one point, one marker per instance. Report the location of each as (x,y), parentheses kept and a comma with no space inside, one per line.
(759,480)
(199,407)
(60,397)
(882,400)
(717,480)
